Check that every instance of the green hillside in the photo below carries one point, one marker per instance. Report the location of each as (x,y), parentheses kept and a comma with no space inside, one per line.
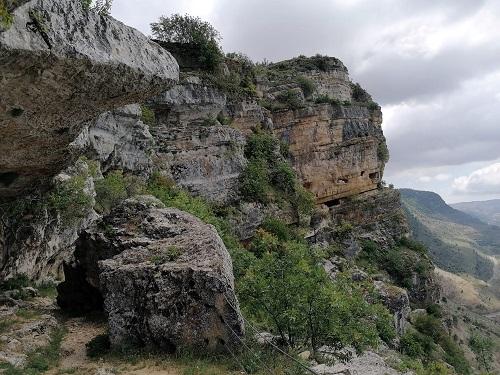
(458,242)
(487,211)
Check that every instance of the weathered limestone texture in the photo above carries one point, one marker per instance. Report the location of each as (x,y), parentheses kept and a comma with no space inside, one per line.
(93,64)
(165,278)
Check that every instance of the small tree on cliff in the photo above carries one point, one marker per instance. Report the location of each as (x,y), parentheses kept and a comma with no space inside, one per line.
(191,30)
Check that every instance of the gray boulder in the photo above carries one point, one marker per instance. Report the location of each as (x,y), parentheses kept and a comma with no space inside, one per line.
(64,70)
(164,276)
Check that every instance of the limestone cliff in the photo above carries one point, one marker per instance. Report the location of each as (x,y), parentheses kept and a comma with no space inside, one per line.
(63,71)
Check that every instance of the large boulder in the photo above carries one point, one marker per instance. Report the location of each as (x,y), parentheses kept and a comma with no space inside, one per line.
(164,276)
(60,67)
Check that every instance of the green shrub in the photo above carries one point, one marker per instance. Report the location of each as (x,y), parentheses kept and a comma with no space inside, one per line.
(6,18)
(286,291)
(283,177)
(280,229)
(261,145)
(359,94)
(147,115)
(303,201)
(307,86)
(98,346)
(383,152)
(322,99)
(290,99)
(372,106)
(416,344)
(103,7)
(110,191)
(268,177)
(254,182)
(17,282)
(435,310)
(454,355)
(399,262)
(70,199)
(483,348)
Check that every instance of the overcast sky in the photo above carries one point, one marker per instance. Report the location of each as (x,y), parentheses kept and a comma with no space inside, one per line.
(433,65)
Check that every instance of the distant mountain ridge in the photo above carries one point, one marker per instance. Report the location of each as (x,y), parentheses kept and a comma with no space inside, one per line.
(457,241)
(487,211)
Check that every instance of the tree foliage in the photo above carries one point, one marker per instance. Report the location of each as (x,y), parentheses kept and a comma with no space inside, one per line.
(286,290)
(184,29)
(103,7)
(187,29)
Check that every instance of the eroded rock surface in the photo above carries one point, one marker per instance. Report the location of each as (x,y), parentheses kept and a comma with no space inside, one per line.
(118,139)
(165,278)
(86,65)
(334,149)
(375,215)
(397,301)
(35,239)
(192,147)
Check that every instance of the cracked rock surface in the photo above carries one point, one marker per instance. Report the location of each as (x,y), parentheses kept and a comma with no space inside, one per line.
(95,64)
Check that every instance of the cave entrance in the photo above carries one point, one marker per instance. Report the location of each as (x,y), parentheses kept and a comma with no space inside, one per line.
(333,203)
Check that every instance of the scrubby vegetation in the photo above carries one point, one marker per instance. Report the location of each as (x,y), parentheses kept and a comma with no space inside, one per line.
(483,348)
(103,7)
(147,115)
(285,289)
(40,360)
(423,342)
(269,178)
(307,85)
(400,262)
(71,199)
(6,17)
(383,152)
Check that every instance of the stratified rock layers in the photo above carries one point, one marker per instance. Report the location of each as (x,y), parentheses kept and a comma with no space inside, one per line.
(333,148)
(94,64)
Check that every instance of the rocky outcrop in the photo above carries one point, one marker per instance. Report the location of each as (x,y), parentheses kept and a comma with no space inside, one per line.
(35,238)
(62,71)
(368,363)
(333,148)
(192,146)
(397,301)
(119,139)
(164,276)
(375,215)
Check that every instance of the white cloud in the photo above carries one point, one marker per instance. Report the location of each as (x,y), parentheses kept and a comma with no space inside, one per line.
(482,181)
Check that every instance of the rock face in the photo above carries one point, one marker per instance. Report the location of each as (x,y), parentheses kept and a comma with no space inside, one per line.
(164,276)
(192,147)
(375,215)
(75,65)
(35,239)
(118,140)
(397,301)
(333,148)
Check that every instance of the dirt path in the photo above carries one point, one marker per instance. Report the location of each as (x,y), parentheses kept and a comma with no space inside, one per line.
(75,361)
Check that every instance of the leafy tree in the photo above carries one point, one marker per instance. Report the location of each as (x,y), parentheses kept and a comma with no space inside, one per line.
(188,29)
(286,290)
